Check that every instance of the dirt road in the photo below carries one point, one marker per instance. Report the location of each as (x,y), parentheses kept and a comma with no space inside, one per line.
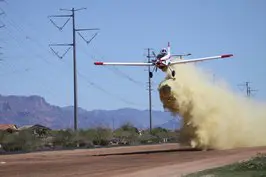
(166,160)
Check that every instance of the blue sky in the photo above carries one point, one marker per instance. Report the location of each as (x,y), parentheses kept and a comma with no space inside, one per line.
(203,28)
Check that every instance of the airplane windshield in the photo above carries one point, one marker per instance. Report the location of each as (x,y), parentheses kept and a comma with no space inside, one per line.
(161,55)
(163,51)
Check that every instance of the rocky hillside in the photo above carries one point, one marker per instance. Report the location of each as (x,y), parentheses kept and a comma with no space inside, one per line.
(24,110)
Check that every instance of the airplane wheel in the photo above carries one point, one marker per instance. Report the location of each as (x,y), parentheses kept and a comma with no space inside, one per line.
(173,73)
(150,74)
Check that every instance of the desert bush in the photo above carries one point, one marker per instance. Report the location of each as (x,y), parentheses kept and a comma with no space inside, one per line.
(147,138)
(127,134)
(20,141)
(82,138)
(100,136)
(256,163)
(2,135)
(160,133)
(63,138)
(173,137)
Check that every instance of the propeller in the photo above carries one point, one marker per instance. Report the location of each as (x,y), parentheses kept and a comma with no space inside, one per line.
(154,55)
(155,68)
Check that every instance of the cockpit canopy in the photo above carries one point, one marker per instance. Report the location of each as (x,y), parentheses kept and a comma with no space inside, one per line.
(163,51)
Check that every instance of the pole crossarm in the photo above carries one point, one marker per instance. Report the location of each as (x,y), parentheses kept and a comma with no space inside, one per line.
(60,56)
(60,27)
(83,8)
(88,29)
(60,44)
(87,41)
(59,16)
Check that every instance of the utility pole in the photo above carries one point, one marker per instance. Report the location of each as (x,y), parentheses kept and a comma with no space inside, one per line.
(1,54)
(248,89)
(3,25)
(73,44)
(149,87)
(113,123)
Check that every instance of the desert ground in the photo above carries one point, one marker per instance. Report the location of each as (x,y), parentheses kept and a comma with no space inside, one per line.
(150,160)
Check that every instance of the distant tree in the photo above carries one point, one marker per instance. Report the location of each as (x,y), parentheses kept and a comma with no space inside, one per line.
(158,130)
(129,127)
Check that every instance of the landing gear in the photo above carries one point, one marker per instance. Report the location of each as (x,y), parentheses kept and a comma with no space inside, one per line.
(150,74)
(173,73)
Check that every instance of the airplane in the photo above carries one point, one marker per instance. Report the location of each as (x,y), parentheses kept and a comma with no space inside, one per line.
(164,60)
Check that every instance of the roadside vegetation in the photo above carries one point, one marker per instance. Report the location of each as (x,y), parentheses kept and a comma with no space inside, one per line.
(255,167)
(126,135)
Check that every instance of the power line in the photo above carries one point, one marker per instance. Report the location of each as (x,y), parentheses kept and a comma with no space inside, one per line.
(20,29)
(1,54)
(22,47)
(73,45)
(117,71)
(2,13)
(3,1)
(106,91)
(93,84)
(1,26)
(16,71)
(124,75)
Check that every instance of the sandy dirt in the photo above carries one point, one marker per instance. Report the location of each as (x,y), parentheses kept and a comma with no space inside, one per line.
(157,160)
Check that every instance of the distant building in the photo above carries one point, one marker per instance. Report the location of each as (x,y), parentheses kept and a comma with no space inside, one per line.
(8,128)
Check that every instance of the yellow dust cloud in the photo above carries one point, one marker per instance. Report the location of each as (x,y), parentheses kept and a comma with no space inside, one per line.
(214,117)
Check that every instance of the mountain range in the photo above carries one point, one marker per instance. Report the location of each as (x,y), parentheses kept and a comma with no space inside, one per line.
(28,110)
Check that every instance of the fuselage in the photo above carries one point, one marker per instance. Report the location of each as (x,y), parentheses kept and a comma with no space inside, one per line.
(163,60)
(162,63)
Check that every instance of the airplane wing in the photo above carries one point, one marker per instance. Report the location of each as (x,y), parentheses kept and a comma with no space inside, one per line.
(200,59)
(123,64)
